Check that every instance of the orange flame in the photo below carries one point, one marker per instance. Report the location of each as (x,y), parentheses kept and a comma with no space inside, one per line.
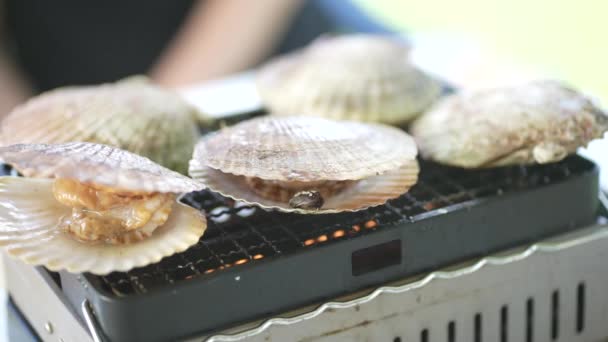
(339,233)
(322,238)
(241,261)
(370,224)
(309,242)
(258,256)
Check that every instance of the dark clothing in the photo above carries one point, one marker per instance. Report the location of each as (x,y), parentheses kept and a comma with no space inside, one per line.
(67,42)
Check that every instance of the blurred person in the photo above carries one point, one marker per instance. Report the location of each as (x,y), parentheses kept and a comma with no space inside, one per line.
(48,44)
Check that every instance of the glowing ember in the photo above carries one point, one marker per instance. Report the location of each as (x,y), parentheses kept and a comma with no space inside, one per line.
(370,224)
(322,238)
(258,256)
(338,233)
(309,242)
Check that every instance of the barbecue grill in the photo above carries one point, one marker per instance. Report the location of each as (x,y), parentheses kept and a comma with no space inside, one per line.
(254,265)
(505,254)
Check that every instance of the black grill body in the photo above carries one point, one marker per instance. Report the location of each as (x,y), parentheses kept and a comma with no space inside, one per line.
(253,264)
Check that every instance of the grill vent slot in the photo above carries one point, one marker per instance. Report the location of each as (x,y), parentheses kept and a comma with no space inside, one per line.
(424,335)
(580,307)
(529,320)
(477,330)
(555,315)
(451,331)
(504,323)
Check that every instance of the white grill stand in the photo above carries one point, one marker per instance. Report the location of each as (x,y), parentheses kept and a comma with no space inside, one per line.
(511,294)
(574,265)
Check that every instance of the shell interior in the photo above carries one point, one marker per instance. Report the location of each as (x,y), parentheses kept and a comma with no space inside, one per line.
(362,194)
(29,216)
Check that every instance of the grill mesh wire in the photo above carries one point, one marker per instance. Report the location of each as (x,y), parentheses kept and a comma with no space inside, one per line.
(239,235)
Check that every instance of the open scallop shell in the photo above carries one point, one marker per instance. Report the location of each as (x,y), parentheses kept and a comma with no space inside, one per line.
(378,162)
(305,149)
(538,122)
(132,114)
(354,77)
(363,194)
(29,215)
(97,164)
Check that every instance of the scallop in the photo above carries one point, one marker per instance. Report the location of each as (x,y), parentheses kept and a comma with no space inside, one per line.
(88,207)
(132,114)
(358,77)
(537,122)
(307,164)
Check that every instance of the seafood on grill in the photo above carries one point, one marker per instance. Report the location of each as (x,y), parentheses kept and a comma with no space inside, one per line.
(537,122)
(360,77)
(132,114)
(88,207)
(307,164)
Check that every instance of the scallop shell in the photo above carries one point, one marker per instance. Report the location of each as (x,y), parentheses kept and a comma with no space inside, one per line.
(379,160)
(28,231)
(305,149)
(97,164)
(132,114)
(538,122)
(363,194)
(354,77)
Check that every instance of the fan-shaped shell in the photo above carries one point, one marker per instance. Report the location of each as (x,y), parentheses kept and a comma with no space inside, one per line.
(29,215)
(538,122)
(132,114)
(362,194)
(305,149)
(97,164)
(356,77)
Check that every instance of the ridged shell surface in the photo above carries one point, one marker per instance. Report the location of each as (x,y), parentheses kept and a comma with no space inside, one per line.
(538,122)
(362,194)
(132,114)
(305,149)
(29,216)
(97,164)
(352,77)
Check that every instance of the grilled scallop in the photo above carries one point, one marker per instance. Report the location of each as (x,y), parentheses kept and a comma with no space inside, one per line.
(353,77)
(307,164)
(93,208)
(132,114)
(539,122)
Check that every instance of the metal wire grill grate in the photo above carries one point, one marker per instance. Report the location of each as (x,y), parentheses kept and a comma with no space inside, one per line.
(239,234)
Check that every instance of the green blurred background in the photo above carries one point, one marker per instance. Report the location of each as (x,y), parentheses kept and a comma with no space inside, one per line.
(564,38)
